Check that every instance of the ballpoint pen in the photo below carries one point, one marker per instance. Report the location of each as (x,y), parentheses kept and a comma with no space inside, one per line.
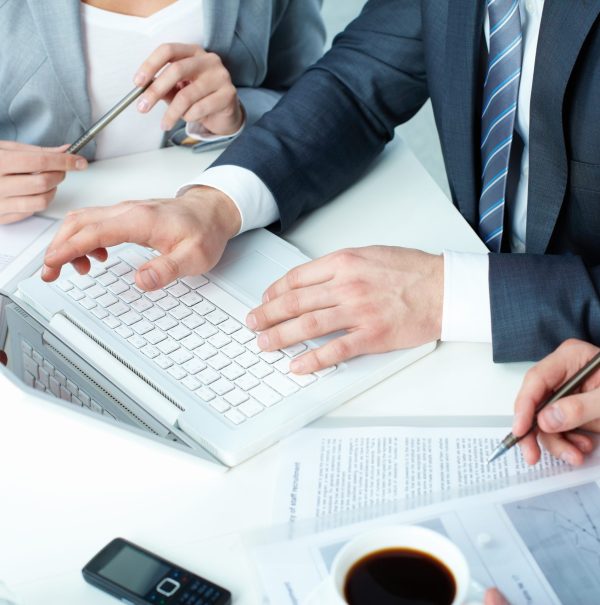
(566,389)
(107,118)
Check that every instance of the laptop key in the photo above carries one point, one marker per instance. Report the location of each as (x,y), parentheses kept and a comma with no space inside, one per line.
(106,300)
(233,371)
(112,322)
(218,361)
(107,279)
(118,309)
(243,336)
(195,281)
(247,382)
(250,408)
(168,303)
(152,314)
(124,331)
(236,397)
(281,384)
(219,404)
(155,336)
(191,383)
(163,362)
(261,369)
(177,372)
(266,395)
(150,351)
(208,376)
(143,327)
(191,342)
(206,394)
(130,318)
(118,287)
(295,350)
(178,290)
(303,380)
(137,341)
(180,356)
(234,416)
(76,294)
(168,346)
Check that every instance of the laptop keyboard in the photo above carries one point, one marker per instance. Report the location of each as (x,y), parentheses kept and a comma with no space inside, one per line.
(193,332)
(40,374)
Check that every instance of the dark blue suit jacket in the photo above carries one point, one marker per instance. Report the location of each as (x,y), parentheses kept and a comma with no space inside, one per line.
(397,53)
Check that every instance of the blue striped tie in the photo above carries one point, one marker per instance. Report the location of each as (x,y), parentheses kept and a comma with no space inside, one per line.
(500,93)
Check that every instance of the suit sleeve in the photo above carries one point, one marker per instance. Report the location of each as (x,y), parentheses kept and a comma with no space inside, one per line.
(297,41)
(538,301)
(338,117)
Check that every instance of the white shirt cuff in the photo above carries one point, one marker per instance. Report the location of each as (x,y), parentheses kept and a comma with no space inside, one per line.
(197,132)
(256,204)
(466,314)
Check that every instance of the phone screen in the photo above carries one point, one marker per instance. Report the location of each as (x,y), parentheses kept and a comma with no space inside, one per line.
(134,570)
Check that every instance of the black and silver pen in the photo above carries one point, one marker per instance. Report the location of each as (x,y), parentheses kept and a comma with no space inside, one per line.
(107,118)
(566,389)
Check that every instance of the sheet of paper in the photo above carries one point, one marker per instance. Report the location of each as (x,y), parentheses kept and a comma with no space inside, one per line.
(328,471)
(539,542)
(20,243)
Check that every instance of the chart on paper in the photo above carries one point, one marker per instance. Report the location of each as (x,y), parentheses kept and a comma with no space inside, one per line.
(562,532)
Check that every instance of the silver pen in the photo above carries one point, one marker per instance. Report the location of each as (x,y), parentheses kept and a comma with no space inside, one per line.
(107,118)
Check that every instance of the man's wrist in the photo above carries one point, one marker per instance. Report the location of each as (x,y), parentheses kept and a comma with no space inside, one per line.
(225,215)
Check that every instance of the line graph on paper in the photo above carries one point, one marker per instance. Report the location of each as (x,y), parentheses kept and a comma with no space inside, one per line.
(562,532)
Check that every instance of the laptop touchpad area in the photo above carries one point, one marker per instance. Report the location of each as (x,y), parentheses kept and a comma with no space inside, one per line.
(251,273)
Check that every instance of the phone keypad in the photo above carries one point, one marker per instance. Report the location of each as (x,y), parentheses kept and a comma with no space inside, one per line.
(193,591)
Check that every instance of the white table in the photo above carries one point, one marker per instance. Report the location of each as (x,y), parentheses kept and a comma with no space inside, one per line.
(68,486)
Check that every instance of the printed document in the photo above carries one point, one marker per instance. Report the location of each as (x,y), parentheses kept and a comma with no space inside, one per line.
(329,471)
(538,542)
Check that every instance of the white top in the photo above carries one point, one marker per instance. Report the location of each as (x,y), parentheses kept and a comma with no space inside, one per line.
(115,47)
(466,313)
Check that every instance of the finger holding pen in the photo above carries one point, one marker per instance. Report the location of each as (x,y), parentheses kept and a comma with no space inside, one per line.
(30,176)
(558,423)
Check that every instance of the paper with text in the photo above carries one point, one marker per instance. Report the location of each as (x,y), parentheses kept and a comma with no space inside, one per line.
(325,472)
(538,542)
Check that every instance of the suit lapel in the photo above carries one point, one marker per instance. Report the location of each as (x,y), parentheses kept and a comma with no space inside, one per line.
(461,116)
(219,27)
(59,25)
(564,28)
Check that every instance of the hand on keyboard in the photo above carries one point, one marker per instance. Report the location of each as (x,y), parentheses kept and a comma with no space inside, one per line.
(383,297)
(190,232)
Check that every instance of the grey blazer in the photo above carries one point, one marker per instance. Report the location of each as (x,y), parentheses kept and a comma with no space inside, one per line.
(265,44)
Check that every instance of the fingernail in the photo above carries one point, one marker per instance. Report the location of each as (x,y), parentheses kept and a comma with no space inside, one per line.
(149,279)
(263,341)
(297,366)
(251,321)
(567,457)
(143,104)
(554,417)
(81,164)
(265,297)
(140,79)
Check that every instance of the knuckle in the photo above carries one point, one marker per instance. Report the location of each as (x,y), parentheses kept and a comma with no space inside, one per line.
(171,265)
(291,304)
(340,349)
(576,409)
(309,323)
(344,259)
(293,277)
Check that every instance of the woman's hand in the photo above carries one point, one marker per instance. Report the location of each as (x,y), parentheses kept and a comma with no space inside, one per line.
(196,85)
(558,422)
(29,176)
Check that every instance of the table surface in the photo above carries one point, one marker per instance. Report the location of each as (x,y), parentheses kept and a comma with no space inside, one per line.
(71,485)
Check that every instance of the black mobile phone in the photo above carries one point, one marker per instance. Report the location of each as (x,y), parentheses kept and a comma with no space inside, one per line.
(137,576)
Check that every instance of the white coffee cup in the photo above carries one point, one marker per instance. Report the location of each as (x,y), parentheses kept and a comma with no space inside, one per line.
(413,537)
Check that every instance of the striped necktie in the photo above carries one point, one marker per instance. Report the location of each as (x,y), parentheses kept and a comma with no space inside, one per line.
(500,93)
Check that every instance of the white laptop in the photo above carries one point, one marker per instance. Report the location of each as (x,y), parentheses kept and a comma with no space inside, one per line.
(186,357)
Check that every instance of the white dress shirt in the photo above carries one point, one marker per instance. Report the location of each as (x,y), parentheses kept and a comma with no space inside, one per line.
(466,308)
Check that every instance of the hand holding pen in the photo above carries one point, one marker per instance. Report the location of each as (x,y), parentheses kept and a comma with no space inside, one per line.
(559,421)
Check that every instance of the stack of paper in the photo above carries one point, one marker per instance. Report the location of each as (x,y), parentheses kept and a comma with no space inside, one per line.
(538,539)
(21,246)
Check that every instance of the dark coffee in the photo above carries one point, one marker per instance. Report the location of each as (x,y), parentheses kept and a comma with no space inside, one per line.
(399,576)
